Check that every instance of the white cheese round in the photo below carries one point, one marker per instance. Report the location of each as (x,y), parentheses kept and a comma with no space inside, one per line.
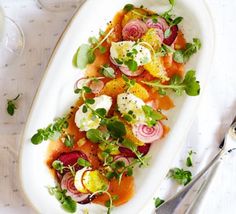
(86,121)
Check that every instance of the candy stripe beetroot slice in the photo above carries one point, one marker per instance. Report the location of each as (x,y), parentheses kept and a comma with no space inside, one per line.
(134,30)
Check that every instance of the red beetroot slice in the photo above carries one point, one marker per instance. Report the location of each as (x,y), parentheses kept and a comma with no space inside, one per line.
(174,32)
(70,158)
(129,154)
(67,183)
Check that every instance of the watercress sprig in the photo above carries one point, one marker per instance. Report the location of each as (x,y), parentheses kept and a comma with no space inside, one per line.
(189,85)
(158,202)
(182,56)
(11,105)
(86,52)
(151,115)
(67,203)
(52,131)
(181,176)
(107,71)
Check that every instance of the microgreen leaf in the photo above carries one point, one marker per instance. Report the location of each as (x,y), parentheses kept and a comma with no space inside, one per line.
(151,115)
(128,7)
(116,128)
(90,101)
(94,135)
(172,2)
(108,71)
(158,202)
(82,56)
(67,203)
(50,131)
(132,65)
(69,141)
(189,160)
(101,111)
(83,162)
(176,21)
(182,56)
(181,176)
(189,84)
(58,165)
(11,105)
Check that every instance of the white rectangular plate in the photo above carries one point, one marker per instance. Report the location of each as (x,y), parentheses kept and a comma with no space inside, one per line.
(56,95)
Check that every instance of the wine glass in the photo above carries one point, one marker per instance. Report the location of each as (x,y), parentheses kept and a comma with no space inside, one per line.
(60,5)
(12,40)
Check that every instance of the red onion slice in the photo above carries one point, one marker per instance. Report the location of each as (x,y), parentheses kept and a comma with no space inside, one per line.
(174,32)
(125,70)
(134,30)
(122,158)
(67,183)
(148,134)
(129,154)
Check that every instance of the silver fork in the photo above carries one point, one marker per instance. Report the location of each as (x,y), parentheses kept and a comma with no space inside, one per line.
(228,145)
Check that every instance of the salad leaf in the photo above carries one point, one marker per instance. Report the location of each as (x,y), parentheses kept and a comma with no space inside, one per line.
(189,160)
(51,131)
(128,7)
(182,56)
(67,203)
(108,71)
(189,84)
(83,162)
(69,140)
(116,128)
(82,56)
(151,115)
(181,176)
(158,202)
(11,105)
(94,135)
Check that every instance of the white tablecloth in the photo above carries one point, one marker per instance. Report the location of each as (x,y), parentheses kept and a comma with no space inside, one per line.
(217,108)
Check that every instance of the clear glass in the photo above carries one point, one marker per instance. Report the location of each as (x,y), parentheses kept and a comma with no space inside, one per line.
(12,40)
(60,5)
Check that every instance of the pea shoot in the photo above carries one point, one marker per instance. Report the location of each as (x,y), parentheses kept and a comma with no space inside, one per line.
(189,85)
(11,105)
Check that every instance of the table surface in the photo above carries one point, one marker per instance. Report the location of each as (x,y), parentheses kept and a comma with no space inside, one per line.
(216,110)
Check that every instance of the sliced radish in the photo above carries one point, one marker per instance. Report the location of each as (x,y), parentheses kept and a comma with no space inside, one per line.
(67,183)
(125,70)
(94,181)
(129,154)
(174,32)
(134,30)
(78,180)
(148,134)
(96,84)
(160,34)
(123,159)
(70,158)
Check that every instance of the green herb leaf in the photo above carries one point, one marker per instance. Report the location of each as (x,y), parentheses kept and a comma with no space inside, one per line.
(69,141)
(51,131)
(151,115)
(132,65)
(129,144)
(189,160)
(94,135)
(82,56)
(181,176)
(116,128)
(91,56)
(129,82)
(167,33)
(83,162)
(176,21)
(128,7)
(172,2)
(11,105)
(101,112)
(158,202)
(190,85)
(102,49)
(57,165)
(108,71)
(69,205)
(90,101)
(182,56)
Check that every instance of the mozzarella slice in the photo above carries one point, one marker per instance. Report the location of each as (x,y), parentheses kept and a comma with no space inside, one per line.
(86,121)
(119,50)
(128,102)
